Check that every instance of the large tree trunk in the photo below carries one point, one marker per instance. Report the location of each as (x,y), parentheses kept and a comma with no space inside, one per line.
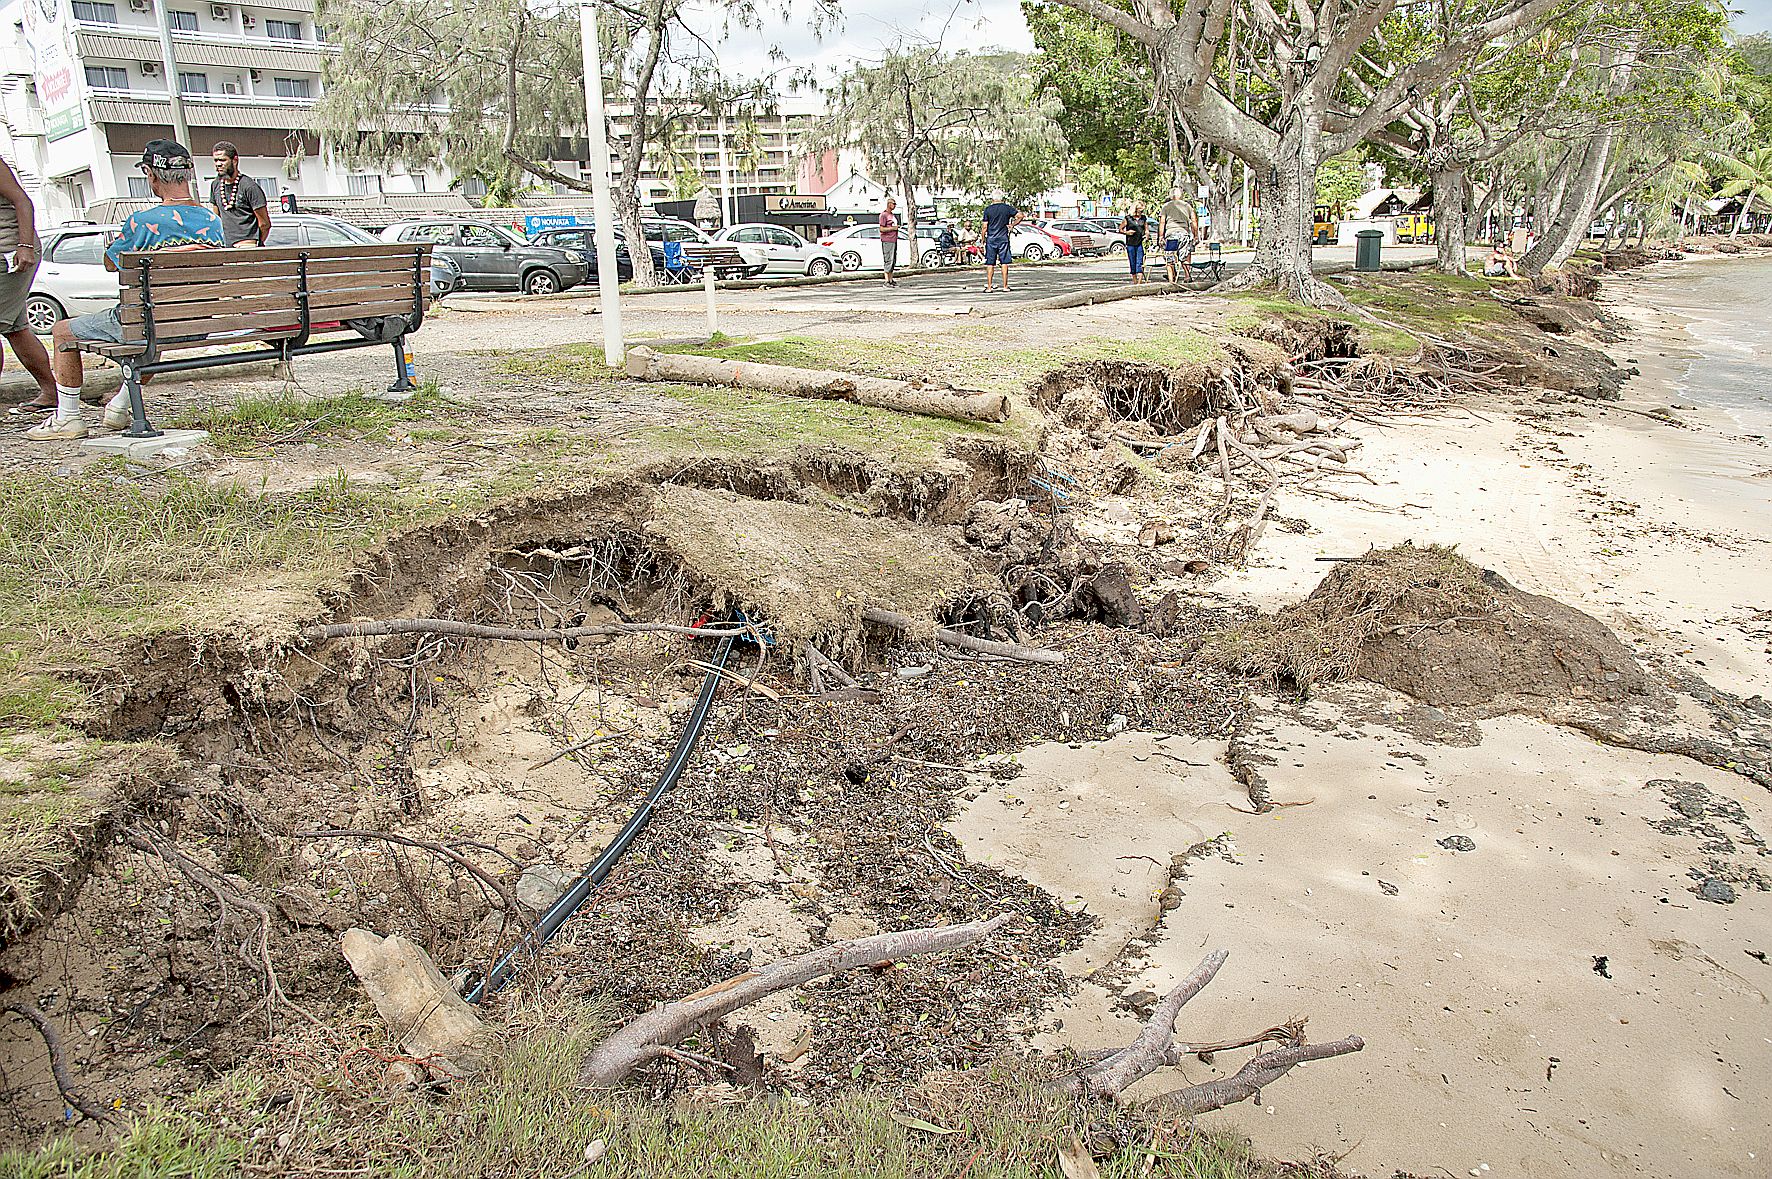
(1283,249)
(1451,203)
(1569,227)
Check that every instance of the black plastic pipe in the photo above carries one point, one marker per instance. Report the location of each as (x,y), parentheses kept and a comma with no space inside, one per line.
(594,874)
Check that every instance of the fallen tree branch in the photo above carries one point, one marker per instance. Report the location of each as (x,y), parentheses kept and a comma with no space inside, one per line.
(881,392)
(518,634)
(1262,1070)
(660,1029)
(1109,1074)
(1155,1045)
(954,638)
(58,1062)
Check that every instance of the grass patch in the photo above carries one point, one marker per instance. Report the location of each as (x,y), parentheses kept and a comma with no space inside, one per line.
(99,555)
(253,422)
(737,421)
(527,1117)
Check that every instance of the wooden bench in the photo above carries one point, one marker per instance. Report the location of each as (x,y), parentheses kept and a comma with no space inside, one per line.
(724,260)
(174,301)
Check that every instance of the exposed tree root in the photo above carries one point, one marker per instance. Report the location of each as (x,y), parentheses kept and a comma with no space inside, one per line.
(656,1033)
(1110,1074)
(965,642)
(58,1062)
(518,634)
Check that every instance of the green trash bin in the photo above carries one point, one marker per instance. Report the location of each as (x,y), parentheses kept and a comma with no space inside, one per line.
(1367,244)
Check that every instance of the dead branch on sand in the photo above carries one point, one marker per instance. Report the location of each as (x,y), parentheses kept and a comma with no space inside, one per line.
(1110,1074)
(58,1062)
(657,1033)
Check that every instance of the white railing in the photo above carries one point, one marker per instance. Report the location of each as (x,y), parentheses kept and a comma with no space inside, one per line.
(125,95)
(185,37)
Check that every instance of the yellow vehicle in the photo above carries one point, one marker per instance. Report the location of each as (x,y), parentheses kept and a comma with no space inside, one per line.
(1414,227)
(1325,227)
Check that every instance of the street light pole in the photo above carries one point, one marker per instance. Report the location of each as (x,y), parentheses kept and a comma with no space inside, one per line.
(602,206)
(180,129)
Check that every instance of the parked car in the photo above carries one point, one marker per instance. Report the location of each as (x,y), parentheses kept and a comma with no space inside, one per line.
(1084,239)
(492,258)
(1110,228)
(315,229)
(1031,242)
(582,241)
(660,230)
(856,247)
(787,252)
(72,279)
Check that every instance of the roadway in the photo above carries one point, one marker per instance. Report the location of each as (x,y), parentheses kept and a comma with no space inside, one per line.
(954,291)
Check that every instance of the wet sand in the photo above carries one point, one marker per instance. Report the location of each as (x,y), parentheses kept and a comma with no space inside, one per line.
(1556,1000)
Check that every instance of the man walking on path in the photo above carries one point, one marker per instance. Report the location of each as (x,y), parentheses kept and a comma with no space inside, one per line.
(18,265)
(889,241)
(178,222)
(1181,229)
(238,200)
(1135,225)
(997,223)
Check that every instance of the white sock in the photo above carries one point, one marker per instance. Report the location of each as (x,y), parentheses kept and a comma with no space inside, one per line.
(120,401)
(67,403)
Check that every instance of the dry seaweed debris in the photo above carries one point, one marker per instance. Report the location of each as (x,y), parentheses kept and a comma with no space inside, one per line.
(1427,622)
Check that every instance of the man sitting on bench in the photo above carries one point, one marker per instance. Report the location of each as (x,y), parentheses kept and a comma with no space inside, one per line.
(178,222)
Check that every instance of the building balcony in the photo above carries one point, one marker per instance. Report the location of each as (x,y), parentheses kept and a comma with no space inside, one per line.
(154,108)
(126,43)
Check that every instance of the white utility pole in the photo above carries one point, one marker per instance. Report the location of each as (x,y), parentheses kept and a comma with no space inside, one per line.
(170,68)
(731,201)
(602,206)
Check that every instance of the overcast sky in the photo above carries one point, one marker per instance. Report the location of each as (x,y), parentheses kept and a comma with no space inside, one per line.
(869,27)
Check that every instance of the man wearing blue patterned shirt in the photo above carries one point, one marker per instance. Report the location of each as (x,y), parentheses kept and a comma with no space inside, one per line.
(178,222)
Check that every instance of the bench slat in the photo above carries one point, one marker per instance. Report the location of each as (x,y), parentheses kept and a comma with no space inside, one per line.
(276,319)
(169,259)
(282,301)
(193,275)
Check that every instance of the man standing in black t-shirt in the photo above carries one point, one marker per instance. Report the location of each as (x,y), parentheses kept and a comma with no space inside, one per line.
(238,200)
(998,223)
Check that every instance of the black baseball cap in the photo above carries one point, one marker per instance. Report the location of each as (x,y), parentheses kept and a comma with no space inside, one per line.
(166,154)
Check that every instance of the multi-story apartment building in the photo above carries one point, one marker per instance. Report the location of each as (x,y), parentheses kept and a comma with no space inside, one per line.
(85,86)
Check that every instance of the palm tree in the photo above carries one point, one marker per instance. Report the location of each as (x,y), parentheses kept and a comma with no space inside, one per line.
(1750,180)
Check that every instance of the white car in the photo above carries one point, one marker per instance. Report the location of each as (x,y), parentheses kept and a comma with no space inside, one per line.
(72,279)
(1085,239)
(787,252)
(857,247)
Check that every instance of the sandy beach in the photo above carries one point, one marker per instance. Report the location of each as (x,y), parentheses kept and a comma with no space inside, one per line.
(1548,995)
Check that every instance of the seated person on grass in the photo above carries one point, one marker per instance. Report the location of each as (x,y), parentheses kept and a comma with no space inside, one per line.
(178,222)
(1500,264)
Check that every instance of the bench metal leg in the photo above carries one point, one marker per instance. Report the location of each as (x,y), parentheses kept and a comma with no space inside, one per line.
(403,382)
(138,415)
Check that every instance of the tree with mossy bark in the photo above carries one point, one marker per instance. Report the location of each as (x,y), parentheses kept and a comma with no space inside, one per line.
(1314,89)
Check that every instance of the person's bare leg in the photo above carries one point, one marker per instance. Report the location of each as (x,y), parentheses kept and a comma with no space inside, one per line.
(67,368)
(1005,276)
(31,353)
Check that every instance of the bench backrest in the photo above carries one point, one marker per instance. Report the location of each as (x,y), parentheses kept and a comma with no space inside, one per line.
(717,253)
(189,297)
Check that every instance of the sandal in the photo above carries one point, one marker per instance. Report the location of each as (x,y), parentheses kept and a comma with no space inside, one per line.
(30,407)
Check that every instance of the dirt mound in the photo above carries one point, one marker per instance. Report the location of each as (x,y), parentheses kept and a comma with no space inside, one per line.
(808,571)
(1429,623)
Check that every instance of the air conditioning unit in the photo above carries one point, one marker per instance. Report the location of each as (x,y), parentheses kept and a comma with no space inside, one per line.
(257,75)
(219,11)
(141,5)
(150,69)
(247,20)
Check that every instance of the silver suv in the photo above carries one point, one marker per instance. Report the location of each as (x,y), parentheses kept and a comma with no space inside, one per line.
(492,258)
